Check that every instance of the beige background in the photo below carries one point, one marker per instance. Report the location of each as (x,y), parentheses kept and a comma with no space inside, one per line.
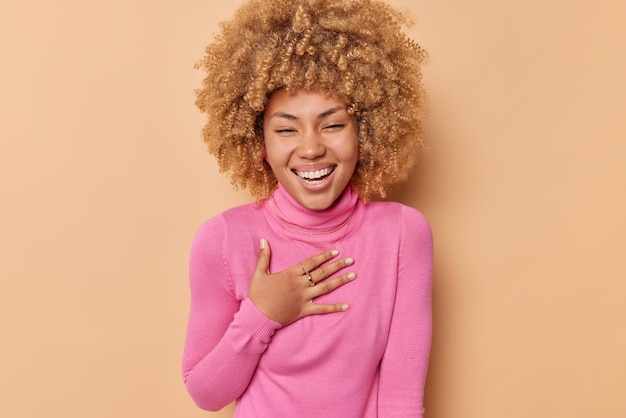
(104,179)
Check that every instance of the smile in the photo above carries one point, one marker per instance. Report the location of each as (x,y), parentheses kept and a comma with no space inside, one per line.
(314,176)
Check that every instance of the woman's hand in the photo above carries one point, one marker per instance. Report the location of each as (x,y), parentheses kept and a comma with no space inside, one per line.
(288,296)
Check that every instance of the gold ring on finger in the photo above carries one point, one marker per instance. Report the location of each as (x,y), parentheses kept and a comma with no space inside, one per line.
(310,279)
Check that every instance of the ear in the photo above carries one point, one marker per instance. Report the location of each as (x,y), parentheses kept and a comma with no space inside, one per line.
(266,157)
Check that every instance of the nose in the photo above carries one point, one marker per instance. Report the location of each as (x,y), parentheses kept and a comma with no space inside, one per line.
(311,146)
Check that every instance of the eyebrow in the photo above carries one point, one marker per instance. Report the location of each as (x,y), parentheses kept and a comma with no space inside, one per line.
(322,115)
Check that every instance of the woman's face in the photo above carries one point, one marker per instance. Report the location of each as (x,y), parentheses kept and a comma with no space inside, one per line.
(312,146)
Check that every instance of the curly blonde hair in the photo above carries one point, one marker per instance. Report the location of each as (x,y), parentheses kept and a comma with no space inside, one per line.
(355,50)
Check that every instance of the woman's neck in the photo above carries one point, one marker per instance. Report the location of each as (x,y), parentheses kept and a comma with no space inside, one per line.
(297,220)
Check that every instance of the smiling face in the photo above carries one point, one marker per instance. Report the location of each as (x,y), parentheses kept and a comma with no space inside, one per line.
(312,146)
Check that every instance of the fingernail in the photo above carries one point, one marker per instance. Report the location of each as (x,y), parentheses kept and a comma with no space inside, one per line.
(262,243)
(348,261)
(351,276)
(344,307)
(335,253)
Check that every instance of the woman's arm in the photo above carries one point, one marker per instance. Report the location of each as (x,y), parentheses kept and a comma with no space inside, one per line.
(225,337)
(405,362)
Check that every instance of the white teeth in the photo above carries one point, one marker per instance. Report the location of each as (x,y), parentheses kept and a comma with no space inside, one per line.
(314,175)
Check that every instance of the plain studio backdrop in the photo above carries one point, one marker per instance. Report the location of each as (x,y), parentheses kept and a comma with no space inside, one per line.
(104,180)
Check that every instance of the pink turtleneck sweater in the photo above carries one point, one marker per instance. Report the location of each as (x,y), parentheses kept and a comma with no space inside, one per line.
(369,361)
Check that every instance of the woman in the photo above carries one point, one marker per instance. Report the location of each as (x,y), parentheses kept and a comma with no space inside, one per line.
(315,301)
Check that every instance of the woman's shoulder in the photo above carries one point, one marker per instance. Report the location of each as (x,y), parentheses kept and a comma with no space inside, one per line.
(396,212)
(410,225)
(230,218)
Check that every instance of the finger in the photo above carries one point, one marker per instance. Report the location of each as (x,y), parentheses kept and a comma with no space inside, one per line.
(263,261)
(329,285)
(320,309)
(312,263)
(304,272)
(326,270)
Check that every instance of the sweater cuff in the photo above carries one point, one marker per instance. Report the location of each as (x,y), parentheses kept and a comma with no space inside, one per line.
(252,320)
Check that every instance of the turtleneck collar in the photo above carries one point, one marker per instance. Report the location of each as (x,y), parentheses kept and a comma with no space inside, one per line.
(296,221)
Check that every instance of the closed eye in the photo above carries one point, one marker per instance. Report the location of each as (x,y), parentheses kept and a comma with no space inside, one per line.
(285,131)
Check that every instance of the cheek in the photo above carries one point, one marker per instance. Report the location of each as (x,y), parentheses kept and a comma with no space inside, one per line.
(351,152)
(274,157)
(277,152)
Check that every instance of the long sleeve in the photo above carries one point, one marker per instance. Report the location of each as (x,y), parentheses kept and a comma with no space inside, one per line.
(225,336)
(405,362)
